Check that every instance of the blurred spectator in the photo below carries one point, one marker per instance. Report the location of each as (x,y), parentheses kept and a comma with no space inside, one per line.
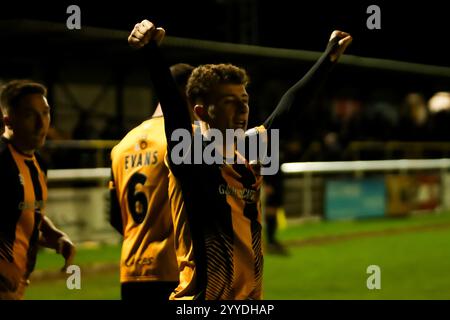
(381,115)
(332,147)
(439,108)
(414,122)
(440,101)
(345,125)
(291,150)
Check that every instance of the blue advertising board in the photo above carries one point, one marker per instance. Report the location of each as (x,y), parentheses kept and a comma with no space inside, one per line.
(350,199)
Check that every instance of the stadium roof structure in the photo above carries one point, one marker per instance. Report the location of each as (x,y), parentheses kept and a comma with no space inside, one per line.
(52,40)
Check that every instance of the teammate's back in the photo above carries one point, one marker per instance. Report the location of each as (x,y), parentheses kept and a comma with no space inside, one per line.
(141,183)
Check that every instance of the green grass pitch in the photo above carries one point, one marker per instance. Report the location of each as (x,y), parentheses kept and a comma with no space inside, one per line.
(327,260)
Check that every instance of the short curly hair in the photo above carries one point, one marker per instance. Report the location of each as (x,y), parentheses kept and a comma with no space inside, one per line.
(207,76)
(15,90)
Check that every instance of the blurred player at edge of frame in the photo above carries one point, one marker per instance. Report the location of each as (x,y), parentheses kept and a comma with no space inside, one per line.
(23,188)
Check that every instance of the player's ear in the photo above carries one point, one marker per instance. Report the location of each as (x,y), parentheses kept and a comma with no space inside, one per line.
(7,121)
(201,112)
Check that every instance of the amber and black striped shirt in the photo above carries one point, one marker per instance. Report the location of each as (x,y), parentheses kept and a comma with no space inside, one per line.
(23,195)
(216,208)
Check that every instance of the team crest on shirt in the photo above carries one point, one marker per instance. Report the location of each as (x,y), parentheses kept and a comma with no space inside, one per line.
(143,144)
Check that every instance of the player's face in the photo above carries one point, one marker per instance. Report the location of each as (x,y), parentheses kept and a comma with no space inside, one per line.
(229,107)
(30,122)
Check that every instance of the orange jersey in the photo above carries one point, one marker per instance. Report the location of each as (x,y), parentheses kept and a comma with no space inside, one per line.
(23,196)
(217,225)
(141,184)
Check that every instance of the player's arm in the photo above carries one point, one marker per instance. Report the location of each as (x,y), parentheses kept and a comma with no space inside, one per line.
(174,106)
(308,86)
(52,237)
(115,214)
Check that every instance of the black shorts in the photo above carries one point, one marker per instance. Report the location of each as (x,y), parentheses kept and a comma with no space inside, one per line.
(147,290)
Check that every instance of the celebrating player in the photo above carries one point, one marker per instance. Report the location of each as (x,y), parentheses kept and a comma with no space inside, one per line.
(219,211)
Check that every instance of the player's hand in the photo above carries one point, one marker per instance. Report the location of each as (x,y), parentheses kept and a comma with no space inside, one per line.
(344,42)
(143,33)
(66,248)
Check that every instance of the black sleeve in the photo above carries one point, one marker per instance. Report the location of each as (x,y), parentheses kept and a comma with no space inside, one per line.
(115,215)
(174,106)
(306,88)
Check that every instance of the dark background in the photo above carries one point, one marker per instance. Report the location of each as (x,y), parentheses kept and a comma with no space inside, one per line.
(358,102)
(415,31)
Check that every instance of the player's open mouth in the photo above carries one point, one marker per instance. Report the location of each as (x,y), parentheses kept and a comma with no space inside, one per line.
(240,124)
